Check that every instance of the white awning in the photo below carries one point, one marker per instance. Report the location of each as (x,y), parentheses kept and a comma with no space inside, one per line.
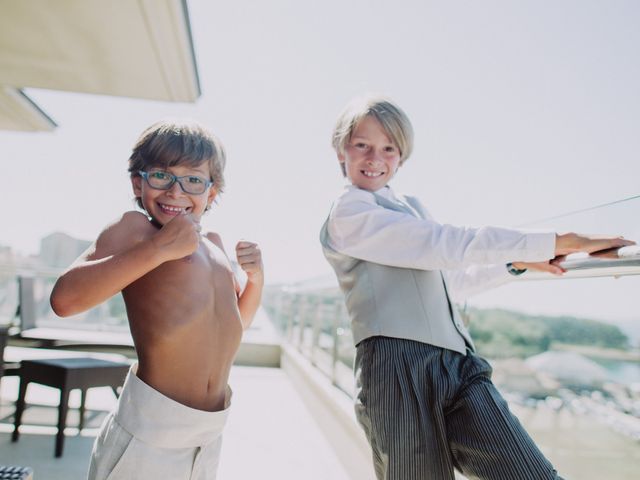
(131,48)
(19,112)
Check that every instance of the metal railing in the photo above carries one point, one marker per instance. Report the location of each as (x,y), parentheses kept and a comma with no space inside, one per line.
(316,324)
(24,305)
(314,320)
(616,262)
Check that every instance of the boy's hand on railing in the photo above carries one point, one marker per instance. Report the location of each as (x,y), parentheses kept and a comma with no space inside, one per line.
(573,242)
(552,266)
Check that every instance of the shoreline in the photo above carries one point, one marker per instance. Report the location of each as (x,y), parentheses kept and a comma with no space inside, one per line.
(599,352)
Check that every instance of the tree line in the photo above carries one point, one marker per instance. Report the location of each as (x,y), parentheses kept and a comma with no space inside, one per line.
(504,333)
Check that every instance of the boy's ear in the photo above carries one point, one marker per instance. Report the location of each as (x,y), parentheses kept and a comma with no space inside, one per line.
(341,157)
(213,193)
(136,183)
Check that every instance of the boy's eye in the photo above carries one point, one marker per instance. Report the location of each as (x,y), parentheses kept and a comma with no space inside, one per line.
(160,175)
(195,180)
(390,149)
(360,146)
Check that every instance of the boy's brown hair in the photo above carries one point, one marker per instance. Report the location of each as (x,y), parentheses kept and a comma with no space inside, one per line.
(170,143)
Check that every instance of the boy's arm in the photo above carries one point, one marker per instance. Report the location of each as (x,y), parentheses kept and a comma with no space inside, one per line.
(479,278)
(361,228)
(568,243)
(475,258)
(462,284)
(123,252)
(465,283)
(250,260)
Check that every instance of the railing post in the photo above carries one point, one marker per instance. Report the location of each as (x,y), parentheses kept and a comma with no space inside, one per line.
(290,312)
(315,329)
(4,333)
(302,317)
(27,303)
(336,339)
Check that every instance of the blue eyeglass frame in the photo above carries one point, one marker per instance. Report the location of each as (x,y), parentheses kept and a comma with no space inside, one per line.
(174,179)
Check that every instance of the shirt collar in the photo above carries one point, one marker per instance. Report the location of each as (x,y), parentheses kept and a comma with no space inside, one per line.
(385,192)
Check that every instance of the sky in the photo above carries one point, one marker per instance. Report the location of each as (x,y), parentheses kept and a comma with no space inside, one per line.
(522,111)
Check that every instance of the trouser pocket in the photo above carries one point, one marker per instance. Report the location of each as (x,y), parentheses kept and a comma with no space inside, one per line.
(109,449)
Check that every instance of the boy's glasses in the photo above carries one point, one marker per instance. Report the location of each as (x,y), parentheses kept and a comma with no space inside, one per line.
(161,180)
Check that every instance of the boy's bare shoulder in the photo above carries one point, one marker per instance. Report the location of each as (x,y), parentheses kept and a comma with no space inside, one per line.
(138,220)
(123,233)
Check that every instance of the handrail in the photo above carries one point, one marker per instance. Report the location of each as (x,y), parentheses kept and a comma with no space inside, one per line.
(28,271)
(615,262)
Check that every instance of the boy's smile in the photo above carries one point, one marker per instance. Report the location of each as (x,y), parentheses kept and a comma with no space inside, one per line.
(163,205)
(172,211)
(370,158)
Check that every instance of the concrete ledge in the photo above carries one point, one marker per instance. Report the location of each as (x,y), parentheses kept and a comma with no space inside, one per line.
(333,410)
(258,355)
(250,354)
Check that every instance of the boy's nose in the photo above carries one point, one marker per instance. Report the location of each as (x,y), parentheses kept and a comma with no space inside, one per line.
(175,190)
(375,157)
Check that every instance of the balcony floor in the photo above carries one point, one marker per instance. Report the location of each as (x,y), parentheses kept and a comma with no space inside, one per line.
(270,433)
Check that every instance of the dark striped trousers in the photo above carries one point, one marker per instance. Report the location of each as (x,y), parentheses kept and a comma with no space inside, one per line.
(427,410)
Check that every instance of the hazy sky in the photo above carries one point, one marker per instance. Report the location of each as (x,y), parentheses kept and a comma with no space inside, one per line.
(522,110)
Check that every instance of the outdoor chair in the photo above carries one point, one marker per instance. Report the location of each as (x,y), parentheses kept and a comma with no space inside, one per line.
(6,368)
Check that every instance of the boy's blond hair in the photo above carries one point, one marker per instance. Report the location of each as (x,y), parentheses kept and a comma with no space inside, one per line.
(169,143)
(392,118)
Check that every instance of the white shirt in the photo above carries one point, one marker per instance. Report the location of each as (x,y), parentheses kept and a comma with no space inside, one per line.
(474,258)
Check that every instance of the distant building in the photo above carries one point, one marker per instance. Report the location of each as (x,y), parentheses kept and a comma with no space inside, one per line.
(6,255)
(60,250)
(11,260)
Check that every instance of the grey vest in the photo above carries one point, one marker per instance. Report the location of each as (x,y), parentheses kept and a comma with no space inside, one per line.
(397,302)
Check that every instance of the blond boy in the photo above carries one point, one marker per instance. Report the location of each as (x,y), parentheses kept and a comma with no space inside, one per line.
(424,397)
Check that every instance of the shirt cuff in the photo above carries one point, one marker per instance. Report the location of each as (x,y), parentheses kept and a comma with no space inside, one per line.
(515,271)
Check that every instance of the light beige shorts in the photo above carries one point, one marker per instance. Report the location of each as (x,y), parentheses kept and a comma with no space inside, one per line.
(151,437)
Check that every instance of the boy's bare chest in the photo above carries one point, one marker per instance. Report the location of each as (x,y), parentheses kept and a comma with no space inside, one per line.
(201,265)
(202,270)
(200,281)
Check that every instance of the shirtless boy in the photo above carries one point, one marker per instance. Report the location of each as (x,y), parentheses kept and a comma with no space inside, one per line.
(185,308)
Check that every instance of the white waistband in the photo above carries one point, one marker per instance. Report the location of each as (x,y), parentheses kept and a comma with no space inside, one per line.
(158,420)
